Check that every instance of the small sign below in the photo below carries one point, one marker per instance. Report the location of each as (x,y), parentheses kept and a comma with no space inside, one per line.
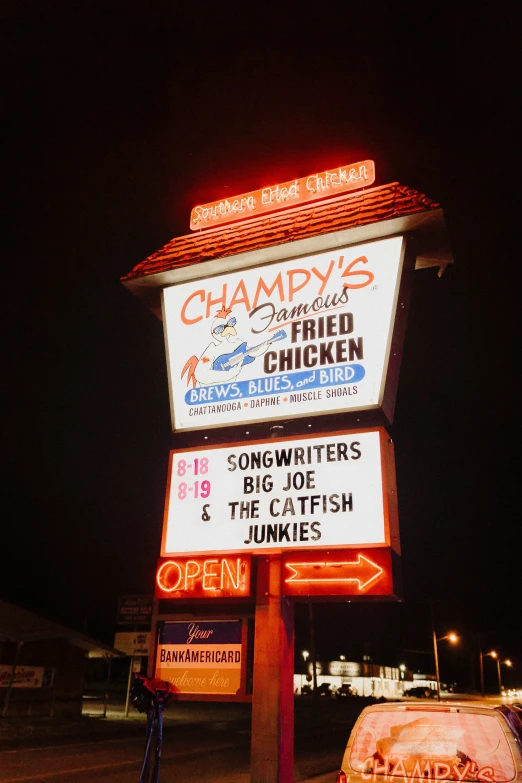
(132,642)
(135,610)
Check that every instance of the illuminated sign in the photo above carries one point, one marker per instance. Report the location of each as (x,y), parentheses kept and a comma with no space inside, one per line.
(200,656)
(343,668)
(291,339)
(287,194)
(271,495)
(211,577)
(339,572)
(132,642)
(135,610)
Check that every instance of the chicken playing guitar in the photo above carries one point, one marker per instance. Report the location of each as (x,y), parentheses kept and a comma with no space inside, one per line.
(242,354)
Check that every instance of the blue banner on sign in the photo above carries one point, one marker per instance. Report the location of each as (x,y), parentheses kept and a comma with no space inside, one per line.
(200,633)
(336,375)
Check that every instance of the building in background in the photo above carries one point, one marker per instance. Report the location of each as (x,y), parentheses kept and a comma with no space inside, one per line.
(366,679)
(42,664)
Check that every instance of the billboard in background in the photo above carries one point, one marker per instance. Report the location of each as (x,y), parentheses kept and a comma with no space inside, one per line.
(25,676)
(307,336)
(272,495)
(200,656)
(135,610)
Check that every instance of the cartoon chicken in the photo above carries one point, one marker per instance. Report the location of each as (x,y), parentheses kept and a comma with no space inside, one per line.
(224,357)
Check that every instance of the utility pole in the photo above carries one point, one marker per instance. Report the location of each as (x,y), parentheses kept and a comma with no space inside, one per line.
(435,652)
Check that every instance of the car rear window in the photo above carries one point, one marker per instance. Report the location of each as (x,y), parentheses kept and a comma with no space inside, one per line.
(433,745)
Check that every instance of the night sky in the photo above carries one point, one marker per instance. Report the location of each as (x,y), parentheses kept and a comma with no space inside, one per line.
(119,116)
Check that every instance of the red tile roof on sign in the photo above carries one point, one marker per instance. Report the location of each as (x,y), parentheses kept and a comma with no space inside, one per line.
(349,211)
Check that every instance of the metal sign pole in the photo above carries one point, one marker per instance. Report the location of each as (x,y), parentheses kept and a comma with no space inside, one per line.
(129,682)
(108,658)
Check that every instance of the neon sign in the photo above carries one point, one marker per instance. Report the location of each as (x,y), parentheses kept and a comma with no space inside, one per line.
(286,194)
(338,572)
(210,577)
(361,571)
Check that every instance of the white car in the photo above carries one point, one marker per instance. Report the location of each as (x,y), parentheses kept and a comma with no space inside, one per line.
(413,741)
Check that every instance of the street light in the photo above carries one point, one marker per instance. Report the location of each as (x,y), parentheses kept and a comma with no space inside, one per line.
(451,637)
(507,662)
(305,655)
(492,654)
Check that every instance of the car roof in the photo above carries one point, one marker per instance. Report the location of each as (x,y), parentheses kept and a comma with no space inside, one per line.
(437,706)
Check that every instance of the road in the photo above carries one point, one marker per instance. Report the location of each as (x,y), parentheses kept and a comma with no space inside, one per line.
(218,752)
(201,743)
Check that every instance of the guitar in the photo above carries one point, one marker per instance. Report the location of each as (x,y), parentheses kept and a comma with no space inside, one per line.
(242,354)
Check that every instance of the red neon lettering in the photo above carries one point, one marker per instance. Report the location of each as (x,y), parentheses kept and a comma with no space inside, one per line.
(193,574)
(226,565)
(280,192)
(297,191)
(349,273)
(208,574)
(184,318)
(310,183)
(165,576)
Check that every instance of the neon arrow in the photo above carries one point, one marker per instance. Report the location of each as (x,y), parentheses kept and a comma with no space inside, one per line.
(363,571)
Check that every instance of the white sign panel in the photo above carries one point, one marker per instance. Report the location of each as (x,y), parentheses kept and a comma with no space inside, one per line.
(132,642)
(343,669)
(200,657)
(271,495)
(295,338)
